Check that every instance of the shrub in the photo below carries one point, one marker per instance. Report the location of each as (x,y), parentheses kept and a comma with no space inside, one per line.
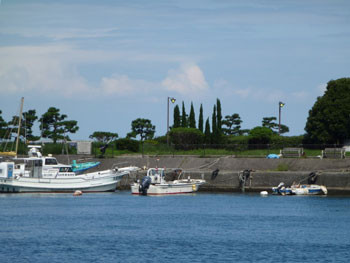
(186,138)
(260,135)
(127,144)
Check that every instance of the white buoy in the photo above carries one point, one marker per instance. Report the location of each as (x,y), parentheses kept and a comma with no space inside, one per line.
(77,193)
(264,193)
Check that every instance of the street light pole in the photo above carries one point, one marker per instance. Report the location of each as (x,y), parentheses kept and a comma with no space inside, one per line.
(167,123)
(280,105)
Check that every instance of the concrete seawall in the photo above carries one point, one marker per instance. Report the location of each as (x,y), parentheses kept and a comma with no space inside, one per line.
(333,173)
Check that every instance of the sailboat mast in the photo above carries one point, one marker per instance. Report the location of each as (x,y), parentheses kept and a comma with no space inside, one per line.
(19,124)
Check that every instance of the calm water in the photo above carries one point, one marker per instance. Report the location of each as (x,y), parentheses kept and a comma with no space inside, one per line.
(119,227)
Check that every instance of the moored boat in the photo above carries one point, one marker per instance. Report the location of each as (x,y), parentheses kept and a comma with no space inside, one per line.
(28,175)
(300,189)
(154,183)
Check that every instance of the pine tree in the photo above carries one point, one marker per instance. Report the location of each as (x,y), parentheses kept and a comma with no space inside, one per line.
(192,119)
(207,135)
(200,121)
(184,116)
(177,117)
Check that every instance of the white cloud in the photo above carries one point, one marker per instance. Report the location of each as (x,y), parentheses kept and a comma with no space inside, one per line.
(122,85)
(187,80)
(39,70)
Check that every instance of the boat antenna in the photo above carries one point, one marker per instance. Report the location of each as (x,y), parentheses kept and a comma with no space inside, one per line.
(19,124)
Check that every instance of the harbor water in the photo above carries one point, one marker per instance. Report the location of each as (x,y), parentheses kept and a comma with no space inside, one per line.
(225,227)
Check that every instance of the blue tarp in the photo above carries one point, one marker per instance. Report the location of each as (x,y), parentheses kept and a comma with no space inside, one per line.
(273,156)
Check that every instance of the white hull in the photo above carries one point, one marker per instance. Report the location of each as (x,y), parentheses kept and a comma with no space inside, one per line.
(169,188)
(94,182)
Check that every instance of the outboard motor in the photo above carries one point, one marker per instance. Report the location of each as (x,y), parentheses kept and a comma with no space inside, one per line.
(312,178)
(144,185)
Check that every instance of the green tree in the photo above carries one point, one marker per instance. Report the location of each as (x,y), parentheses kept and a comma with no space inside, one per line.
(186,138)
(233,124)
(177,117)
(192,118)
(329,118)
(143,128)
(269,122)
(214,126)
(200,120)
(260,135)
(104,137)
(207,134)
(3,127)
(183,116)
(218,117)
(29,117)
(54,126)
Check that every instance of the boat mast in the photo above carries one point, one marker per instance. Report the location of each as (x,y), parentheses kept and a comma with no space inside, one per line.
(19,124)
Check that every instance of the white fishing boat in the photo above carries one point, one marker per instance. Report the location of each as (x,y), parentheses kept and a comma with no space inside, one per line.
(154,183)
(28,175)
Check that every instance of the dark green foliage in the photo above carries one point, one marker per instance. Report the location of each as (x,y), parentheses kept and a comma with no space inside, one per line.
(143,128)
(237,143)
(284,141)
(54,127)
(233,124)
(269,122)
(177,117)
(329,118)
(200,120)
(103,137)
(192,118)
(183,116)
(207,134)
(127,144)
(3,127)
(186,138)
(260,135)
(218,117)
(29,118)
(58,148)
(214,127)
(161,139)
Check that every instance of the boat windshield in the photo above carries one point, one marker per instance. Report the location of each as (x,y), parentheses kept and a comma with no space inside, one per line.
(50,161)
(157,171)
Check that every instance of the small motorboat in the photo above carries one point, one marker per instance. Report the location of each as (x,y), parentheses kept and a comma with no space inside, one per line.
(312,189)
(300,189)
(154,183)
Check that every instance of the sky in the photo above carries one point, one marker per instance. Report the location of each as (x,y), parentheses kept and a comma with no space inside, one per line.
(106,63)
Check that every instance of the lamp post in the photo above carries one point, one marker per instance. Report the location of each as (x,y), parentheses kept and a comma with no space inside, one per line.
(280,105)
(167,124)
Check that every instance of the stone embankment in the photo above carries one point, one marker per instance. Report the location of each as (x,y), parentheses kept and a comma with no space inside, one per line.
(266,173)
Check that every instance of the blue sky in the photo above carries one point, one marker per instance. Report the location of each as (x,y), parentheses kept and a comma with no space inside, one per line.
(106,63)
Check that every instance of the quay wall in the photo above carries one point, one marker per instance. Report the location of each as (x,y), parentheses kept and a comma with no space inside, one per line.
(333,173)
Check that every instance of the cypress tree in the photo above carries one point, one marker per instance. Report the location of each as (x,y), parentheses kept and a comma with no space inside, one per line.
(200,121)
(218,117)
(177,117)
(207,132)
(214,126)
(184,116)
(192,119)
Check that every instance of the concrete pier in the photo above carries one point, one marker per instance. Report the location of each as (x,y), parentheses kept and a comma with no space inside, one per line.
(266,173)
